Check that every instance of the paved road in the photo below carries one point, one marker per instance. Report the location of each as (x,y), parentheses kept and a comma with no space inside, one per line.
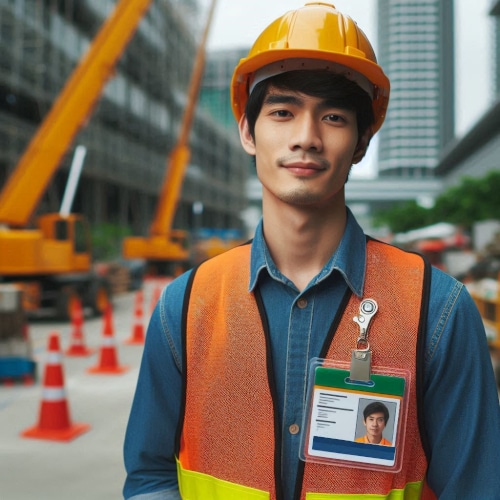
(90,467)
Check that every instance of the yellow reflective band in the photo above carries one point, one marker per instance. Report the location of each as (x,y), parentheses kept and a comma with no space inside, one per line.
(411,491)
(195,485)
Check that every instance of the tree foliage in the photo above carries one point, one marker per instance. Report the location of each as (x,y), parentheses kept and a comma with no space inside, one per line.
(403,217)
(472,200)
(106,240)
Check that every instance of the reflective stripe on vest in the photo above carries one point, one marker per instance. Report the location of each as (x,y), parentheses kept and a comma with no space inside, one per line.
(197,486)
(228,427)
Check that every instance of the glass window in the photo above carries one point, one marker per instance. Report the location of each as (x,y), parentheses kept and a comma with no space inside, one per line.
(81,245)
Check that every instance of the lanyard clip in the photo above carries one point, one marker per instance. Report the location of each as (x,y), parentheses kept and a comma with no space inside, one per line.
(362,356)
(367,309)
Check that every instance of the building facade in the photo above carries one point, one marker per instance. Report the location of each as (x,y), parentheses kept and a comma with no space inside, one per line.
(416,50)
(495,13)
(478,152)
(215,96)
(135,124)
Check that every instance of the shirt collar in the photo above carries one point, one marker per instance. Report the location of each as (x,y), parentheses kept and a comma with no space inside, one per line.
(349,259)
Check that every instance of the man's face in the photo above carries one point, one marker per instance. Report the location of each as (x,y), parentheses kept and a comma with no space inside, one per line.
(375,425)
(304,148)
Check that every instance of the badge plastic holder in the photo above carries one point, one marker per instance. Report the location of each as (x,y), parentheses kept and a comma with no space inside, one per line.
(334,423)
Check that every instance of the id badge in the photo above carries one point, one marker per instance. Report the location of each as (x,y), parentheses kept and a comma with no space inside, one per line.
(355,423)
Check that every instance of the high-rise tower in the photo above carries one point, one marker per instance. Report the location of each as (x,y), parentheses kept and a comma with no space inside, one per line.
(495,12)
(416,51)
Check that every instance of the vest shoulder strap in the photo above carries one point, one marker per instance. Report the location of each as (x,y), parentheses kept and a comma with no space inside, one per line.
(421,345)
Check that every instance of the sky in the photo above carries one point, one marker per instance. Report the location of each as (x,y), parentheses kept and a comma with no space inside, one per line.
(236,24)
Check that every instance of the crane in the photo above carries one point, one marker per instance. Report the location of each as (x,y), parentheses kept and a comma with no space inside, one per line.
(55,258)
(164,244)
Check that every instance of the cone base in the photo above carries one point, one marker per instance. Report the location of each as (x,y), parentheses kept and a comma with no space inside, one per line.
(66,434)
(79,351)
(112,370)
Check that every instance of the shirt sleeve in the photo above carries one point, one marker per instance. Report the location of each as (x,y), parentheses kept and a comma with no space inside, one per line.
(461,407)
(149,447)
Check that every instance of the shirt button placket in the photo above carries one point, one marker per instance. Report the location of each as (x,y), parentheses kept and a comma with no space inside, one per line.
(296,370)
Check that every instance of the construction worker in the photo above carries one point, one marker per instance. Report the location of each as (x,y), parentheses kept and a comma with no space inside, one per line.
(225,401)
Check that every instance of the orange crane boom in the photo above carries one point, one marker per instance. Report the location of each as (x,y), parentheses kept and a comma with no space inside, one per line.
(165,244)
(41,159)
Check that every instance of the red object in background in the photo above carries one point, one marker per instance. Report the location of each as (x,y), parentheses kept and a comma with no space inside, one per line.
(54,421)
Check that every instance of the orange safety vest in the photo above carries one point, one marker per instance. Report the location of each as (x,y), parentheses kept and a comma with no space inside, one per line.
(228,437)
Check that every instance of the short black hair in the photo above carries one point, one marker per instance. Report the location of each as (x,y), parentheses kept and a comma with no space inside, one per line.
(376,407)
(316,83)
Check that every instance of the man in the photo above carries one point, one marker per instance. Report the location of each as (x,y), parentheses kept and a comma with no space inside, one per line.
(220,405)
(375,418)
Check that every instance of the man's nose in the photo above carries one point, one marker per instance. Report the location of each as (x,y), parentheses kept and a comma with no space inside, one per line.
(306,134)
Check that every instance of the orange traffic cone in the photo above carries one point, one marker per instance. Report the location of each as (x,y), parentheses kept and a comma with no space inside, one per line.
(137,336)
(108,358)
(77,346)
(54,422)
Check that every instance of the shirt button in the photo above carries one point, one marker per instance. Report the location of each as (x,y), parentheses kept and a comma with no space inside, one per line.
(294,429)
(302,303)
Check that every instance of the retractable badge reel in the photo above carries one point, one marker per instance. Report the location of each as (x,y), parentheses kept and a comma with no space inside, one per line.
(355,414)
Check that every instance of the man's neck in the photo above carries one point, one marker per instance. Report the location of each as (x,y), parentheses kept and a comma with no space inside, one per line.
(301,242)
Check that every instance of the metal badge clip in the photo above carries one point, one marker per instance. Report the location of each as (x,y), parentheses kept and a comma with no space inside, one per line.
(361,356)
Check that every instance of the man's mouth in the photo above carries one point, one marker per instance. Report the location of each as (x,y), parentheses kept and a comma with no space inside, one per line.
(303,166)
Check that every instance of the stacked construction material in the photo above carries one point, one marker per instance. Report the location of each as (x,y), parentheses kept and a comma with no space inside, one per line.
(16,363)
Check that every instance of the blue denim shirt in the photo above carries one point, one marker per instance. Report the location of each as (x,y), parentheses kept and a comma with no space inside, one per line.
(462,413)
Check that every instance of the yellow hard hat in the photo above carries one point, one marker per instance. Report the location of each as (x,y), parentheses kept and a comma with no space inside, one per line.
(314,36)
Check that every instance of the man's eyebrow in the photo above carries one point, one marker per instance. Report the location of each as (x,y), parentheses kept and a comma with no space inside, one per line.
(283,99)
(295,100)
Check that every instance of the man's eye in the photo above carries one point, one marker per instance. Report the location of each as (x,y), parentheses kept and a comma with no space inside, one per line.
(282,113)
(334,118)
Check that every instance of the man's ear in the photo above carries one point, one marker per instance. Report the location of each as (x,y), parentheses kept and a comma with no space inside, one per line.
(247,141)
(362,146)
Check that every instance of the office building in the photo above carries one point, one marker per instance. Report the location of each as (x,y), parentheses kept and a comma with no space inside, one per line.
(215,96)
(495,13)
(477,152)
(416,50)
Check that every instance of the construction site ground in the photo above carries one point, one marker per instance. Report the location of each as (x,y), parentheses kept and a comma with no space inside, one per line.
(91,465)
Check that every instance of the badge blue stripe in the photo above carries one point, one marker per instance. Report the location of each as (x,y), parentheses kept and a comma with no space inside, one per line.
(352,448)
